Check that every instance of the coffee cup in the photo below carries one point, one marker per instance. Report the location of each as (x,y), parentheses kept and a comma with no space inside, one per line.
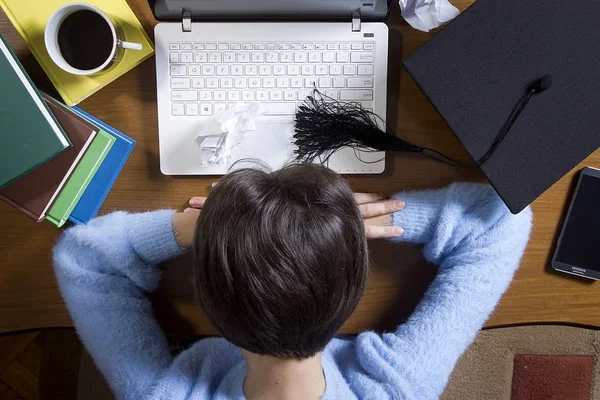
(83,40)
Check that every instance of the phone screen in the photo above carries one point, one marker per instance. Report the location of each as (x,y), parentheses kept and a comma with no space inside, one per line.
(580,244)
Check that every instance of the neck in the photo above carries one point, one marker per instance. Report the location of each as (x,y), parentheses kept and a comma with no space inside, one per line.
(283,378)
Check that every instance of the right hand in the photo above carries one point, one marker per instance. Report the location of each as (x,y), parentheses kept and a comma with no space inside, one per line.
(376,210)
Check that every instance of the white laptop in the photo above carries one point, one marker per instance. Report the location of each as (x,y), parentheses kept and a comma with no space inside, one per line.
(203,68)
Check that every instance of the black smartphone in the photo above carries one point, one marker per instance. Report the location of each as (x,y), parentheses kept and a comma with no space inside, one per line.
(578,248)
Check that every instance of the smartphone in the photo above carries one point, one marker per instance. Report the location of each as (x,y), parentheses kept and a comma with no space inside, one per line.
(578,248)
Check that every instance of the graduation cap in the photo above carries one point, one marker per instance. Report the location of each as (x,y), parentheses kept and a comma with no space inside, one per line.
(517,81)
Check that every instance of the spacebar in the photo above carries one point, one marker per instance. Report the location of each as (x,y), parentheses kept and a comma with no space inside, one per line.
(273,109)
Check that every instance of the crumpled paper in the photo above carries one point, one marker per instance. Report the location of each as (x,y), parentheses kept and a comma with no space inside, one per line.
(425,15)
(225,130)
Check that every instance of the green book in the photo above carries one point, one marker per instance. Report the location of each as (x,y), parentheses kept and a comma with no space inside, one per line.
(80,179)
(29,133)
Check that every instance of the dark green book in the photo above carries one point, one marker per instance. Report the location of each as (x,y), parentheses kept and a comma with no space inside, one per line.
(29,133)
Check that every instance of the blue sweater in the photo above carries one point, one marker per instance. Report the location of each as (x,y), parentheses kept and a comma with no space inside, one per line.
(106,268)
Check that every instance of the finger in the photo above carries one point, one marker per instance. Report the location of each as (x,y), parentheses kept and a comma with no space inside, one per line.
(197,202)
(382,232)
(362,198)
(369,210)
(191,210)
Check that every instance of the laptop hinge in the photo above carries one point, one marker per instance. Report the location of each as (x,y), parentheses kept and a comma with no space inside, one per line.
(356,20)
(186,23)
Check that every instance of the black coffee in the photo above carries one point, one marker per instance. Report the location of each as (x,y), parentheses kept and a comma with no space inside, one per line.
(85,40)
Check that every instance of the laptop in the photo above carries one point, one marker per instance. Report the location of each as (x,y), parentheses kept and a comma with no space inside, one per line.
(211,55)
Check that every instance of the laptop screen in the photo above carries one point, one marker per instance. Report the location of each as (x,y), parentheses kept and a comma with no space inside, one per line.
(371,10)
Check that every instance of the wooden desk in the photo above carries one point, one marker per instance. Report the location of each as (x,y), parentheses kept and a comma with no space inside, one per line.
(29,298)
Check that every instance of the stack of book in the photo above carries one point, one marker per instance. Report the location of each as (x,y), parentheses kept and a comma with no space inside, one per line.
(57,163)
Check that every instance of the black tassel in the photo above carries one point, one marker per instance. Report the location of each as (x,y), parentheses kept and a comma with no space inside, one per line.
(324,125)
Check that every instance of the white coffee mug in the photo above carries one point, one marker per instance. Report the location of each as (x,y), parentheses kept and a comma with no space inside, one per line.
(53,48)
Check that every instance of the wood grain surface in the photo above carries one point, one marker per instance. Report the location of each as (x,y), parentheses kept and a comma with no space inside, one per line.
(28,293)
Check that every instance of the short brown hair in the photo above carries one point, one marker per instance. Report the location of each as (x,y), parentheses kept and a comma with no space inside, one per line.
(280,258)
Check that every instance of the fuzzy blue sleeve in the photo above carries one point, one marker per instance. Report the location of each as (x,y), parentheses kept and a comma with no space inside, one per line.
(467,230)
(104,270)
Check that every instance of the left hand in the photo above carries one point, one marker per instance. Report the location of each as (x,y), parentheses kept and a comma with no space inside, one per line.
(184,223)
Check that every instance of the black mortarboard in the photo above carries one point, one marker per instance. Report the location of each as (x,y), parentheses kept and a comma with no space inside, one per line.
(481,69)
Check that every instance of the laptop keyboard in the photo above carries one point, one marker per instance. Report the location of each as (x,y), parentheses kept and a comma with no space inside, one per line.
(206,78)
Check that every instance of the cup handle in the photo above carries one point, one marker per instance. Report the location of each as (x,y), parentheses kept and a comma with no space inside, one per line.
(129,45)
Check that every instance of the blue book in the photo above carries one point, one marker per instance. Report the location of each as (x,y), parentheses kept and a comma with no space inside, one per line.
(107,174)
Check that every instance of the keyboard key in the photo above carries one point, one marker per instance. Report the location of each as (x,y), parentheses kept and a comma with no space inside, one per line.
(333,93)
(342,56)
(321,69)
(279,69)
(211,46)
(310,82)
(247,46)
(262,95)
(320,46)
(293,69)
(268,82)
(235,46)
(308,46)
(191,109)
(223,46)
(226,83)
(296,82)
(177,109)
(198,83)
(220,107)
(304,93)
(300,57)
(286,57)
(200,57)
(254,83)
(215,57)
(236,70)
(259,46)
(339,82)
(332,46)
(205,95)
(289,95)
(251,69)
(335,69)
(206,109)
(184,95)
(325,82)
(272,56)
(247,95)
(187,57)
(208,70)
(284,46)
(233,95)
(365,69)
(359,83)
(212,83)
(229,57)
(178,70)
(257,57)
(283,82)
(186,46)
(240,83)
(265,70)
(296,46)
(194,70)
(243,56)
(275,95)
(362,57)
(273,109)
(314,56)
(308,69)
(272,46)
(180,83)
(174,57)
(328,57)
(349,69)
(356,95)
(219,95)
(368,46)
(174,46)
(199,46)
(356,46)
(344,46)
(222,69)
